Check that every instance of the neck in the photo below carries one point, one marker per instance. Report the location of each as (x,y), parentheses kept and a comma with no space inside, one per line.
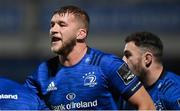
(152,75)
(74,56)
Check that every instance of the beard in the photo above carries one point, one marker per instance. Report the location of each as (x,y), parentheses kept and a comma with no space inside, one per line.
(139,70)
(66,48)
(142,74)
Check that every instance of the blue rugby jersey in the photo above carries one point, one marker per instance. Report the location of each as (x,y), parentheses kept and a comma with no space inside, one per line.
(14,96)
(96,82)
(165,92)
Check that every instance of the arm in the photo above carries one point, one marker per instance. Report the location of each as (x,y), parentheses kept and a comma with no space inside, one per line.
(124,83)
(142,100)
(127,84)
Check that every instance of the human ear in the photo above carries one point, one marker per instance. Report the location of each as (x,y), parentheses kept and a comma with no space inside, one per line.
(81,35)
(148,59)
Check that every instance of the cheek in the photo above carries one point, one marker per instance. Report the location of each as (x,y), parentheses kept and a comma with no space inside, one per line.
(69,36)
(130,64)
(133,64)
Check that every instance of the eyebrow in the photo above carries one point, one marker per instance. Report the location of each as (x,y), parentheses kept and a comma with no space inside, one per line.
(59,22)
(127,52)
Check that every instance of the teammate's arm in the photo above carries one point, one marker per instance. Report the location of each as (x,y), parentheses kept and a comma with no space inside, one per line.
(142,100)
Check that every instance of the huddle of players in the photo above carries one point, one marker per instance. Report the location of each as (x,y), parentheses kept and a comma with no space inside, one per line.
(80,77)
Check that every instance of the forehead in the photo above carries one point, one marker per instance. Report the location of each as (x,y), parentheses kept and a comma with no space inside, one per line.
(62,16)
(130,46)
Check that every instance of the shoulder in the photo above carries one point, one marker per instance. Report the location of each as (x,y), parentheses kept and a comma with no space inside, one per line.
(12,87)
(170,81)
(107,60)
(170,86)
(109,64)
(171,76)
(169,92)
(7,83)
(12,92)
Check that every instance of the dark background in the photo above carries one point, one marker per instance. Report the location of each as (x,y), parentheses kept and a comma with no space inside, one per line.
(24,29)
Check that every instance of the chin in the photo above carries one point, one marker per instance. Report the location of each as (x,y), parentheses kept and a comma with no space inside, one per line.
(53,49)
(56,51)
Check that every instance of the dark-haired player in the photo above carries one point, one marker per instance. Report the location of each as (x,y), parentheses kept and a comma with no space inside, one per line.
(143,53)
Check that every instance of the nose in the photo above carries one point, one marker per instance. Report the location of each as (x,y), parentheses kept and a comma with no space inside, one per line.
(54,29)
(124,58)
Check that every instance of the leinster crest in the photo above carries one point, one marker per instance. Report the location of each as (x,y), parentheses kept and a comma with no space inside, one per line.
(90,79)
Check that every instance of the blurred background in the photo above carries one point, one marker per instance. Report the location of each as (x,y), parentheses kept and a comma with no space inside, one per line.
(24,29)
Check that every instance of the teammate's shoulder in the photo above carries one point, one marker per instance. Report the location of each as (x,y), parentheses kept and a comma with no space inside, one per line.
(7,82)
(3,79)
(13,86)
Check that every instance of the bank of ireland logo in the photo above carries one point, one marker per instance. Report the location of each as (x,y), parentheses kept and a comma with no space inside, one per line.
(70,96)
(90,79)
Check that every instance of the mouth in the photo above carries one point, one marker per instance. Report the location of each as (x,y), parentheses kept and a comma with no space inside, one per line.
(55,39)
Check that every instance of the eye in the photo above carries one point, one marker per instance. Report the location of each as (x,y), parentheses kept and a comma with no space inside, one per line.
(52,24)
(127,54)
(62,24)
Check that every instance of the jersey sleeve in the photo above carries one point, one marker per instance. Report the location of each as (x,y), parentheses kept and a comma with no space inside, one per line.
(121,79)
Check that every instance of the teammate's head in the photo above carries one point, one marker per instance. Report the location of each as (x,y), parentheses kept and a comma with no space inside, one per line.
(141,49)
(147,41)
(69,26)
